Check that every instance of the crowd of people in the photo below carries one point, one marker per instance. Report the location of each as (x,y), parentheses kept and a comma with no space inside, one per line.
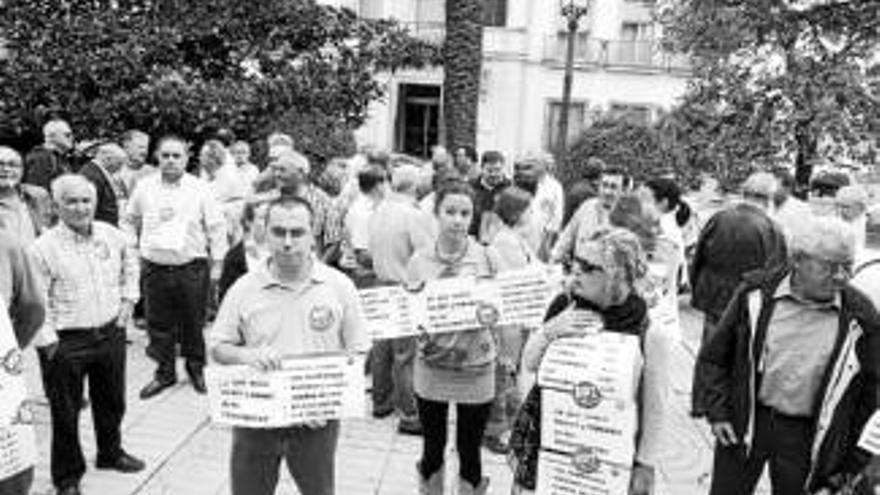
(222,261)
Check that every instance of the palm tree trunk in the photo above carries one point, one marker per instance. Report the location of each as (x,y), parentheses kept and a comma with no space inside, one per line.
(463,56)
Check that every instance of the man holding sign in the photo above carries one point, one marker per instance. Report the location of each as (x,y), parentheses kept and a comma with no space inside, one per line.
(792,371)
(293,304)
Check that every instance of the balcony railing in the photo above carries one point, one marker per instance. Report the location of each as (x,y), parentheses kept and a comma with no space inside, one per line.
(624,54)
(434,32)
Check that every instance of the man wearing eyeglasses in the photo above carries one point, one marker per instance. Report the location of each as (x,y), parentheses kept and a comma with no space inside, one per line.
(792,371)
(25,209)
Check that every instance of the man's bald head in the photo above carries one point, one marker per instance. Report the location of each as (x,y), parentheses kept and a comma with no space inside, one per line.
(289,168)
(111,156)
(58,135)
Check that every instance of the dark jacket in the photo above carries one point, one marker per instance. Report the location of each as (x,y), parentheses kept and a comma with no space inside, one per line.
(484,201)
(234,266)
(42,165)
(107,209)
(734,241)
(850,389)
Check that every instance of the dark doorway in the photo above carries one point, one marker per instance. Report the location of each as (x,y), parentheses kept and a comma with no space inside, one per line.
(417,126)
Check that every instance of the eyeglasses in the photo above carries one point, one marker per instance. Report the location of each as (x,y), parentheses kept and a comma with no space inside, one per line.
(833,267)
(584,266)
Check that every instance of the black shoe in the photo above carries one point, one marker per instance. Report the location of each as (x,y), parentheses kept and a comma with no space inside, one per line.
(69,490)
(409,426)
(155,388)
(496,445)
(125,463)
(197,379)
(382,413)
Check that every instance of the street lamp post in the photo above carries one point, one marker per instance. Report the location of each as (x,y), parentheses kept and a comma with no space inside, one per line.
(572,10)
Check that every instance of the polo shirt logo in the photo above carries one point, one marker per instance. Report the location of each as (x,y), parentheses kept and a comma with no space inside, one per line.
(321,318)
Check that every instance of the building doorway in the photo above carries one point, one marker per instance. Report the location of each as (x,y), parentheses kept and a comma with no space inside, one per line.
(417,126)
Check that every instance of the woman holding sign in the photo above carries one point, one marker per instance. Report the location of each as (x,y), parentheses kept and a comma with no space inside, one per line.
(602,296)
(454,367)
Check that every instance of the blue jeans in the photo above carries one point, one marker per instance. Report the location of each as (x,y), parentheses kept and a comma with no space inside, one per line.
(308,452)
(391,364)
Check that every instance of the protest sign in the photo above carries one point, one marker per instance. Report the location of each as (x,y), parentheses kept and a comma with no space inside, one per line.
(581,473)
(12,385)
(870,437)
(18,449)
(307,388)
(589,415)
(517,297)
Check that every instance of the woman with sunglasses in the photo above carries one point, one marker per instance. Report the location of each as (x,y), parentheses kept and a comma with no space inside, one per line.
(604,273)
(454,367)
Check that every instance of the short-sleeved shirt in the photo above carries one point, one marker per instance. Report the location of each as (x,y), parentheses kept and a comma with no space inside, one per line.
(396,231)
(321,315)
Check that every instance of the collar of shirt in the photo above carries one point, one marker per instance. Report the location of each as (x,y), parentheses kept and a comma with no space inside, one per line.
(783,291)
(319,274)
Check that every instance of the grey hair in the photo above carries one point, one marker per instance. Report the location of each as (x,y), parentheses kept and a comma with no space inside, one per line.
(53,126)
(7,152)
(279,139)
(64,183)
(814,235)
(760,185)
(405,178)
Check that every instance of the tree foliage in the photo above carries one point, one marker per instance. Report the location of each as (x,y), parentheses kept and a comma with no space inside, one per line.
(463,57)
(191,66)
(789,81)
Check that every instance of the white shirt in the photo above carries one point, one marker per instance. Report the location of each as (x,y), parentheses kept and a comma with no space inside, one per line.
(549,202)
(178,222)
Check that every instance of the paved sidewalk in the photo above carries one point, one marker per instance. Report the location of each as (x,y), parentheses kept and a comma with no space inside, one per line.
(186,455)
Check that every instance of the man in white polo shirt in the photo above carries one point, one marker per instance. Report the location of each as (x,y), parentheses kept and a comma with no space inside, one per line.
(290,304)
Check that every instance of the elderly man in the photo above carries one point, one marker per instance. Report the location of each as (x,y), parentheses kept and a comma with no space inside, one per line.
(733,242)
(25,209)
(53,158)
(241,153)
(591,215)
(290,173)
(137,146)
(101,171)
(90,270)
(182,235)
(793,370)
(396,230)
(290,304)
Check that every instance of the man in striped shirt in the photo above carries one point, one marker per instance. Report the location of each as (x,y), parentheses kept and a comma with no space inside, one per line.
(91,276)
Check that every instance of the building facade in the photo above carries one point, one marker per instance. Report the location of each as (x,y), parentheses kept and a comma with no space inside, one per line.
(619,67)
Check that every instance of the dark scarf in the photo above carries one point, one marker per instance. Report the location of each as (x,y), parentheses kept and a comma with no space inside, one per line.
(630,316)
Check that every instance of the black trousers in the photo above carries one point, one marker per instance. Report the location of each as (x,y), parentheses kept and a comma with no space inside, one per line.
(470,425)
(176,298)
(99,355)
(785,442)
(698,389)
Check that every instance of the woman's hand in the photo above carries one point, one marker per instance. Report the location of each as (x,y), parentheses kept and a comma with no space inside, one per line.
(642,480)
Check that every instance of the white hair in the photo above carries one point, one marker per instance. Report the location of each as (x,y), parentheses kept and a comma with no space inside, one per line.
(279,139)
(10,154)
(817,235)
(762,185)
(66,182)
(405,178)
(294,158)
(54,126)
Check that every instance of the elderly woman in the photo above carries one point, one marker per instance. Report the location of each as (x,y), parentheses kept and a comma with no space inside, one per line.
(604,274)
(454,367)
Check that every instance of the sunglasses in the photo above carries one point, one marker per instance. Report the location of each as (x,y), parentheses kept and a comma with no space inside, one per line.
(585,266)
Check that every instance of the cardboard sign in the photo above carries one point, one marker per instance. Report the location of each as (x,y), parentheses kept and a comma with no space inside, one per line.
(589,414)
(12,384)
(308,388)
(517,297)
(18,449)
(870,438)
(581,473)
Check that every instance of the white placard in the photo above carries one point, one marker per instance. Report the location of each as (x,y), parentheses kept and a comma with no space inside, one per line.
(580,474)
(308,388)
(13,391)
(610,362)
(870,438)
(18,449)
(606,426)
(517,297)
